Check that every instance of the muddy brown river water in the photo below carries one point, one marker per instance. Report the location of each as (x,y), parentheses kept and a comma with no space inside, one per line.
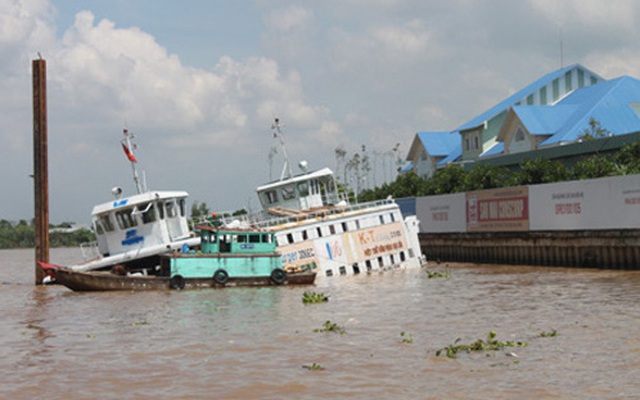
(248,343)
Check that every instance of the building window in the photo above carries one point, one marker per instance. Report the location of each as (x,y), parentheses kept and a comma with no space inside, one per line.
(519,135)
(530,100)
(580,78)
(543,95)
(476,143)
(466,143)
(568,84)
(593,80)
(556,89)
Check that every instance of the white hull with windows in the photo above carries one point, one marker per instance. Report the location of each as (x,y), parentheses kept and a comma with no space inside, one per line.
(317,230)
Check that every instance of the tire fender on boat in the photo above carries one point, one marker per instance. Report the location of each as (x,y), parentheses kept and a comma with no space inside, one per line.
(177,282)
(220,277)
(278,276)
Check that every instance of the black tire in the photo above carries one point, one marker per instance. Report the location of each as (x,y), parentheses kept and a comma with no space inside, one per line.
(177,282)
(278,276)
(221,277)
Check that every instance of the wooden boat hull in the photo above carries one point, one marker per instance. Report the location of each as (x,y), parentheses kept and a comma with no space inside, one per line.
(105,281)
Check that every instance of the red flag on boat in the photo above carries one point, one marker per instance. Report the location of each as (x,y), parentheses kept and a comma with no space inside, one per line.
(129,154)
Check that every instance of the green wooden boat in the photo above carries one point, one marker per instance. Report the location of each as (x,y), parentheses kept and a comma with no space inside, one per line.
(227,257)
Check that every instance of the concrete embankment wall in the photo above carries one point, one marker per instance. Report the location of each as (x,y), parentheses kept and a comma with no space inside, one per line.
(584,249)
(588,223)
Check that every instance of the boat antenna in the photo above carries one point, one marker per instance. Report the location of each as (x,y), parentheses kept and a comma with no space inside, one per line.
(277,134)
(129,148)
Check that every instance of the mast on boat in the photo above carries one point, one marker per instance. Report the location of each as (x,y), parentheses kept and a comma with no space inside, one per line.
(128,148)
(277,133)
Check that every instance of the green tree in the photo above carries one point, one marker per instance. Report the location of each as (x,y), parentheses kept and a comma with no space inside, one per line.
(449,179)
(594,131)
(486,176)
(627,159)
(540,170)
(594,167)
(199,211)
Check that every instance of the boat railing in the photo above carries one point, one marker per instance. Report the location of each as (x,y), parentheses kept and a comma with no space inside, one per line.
(90,250)
(264,219)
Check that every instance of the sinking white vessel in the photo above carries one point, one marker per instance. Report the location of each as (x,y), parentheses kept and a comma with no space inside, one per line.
(317,230)
(134,231)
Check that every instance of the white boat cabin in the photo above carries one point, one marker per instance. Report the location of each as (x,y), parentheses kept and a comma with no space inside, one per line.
(144,220)
(301,192)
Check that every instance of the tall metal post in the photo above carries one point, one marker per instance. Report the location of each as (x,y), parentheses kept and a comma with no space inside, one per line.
(40,166)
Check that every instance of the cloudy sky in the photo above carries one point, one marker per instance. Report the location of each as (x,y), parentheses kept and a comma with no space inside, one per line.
(200,81)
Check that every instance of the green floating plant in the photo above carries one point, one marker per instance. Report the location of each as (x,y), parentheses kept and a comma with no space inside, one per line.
(329,326)
(552,333)
(491,344)
(314,367)
(406,337)
(437,274)
(309,297)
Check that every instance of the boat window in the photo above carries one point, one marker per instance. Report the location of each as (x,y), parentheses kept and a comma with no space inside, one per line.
(303,188)
(161,209)
(344,227)
(357,224)
(319,231)
(289,237)
(393,261)
(98,228)
(332,230)
(126,219)
(288,192)
(368,265)
(181,204)
(241,238)
(402,256)
(393,219)
(329,272)
(380,262)
(107,225)
(272,196)
(305,235)
(212,237)
(148,212)
(171,210)
(267,238)
(356,268)
(381,217)
(255,238)
(343,270)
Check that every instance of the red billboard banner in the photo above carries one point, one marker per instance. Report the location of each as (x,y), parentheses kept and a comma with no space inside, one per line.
(505,209)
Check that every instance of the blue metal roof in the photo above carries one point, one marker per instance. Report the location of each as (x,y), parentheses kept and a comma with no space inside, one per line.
(608,102)
(439,144)
(519,95)
(453,156)
(497,148)
(543,120)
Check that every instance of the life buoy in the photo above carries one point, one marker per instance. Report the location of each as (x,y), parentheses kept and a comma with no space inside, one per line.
(220,277)
(278,276)
(177,282)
